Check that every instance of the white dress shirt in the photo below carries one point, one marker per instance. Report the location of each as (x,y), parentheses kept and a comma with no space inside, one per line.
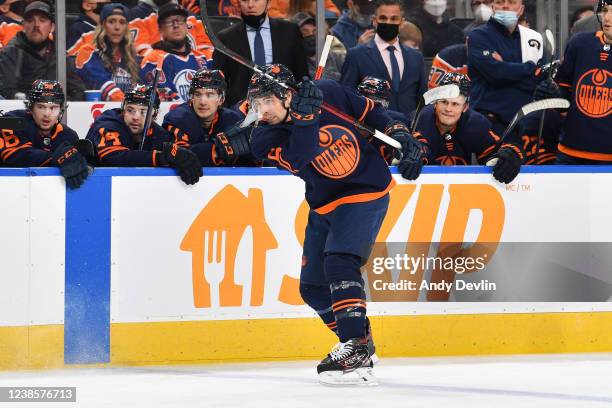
(266,36)
(384,52)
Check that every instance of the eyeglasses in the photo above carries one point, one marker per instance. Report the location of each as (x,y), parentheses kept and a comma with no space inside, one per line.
(174,22)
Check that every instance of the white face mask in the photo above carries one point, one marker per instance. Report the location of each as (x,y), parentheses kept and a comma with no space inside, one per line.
(483,12)
(435,7)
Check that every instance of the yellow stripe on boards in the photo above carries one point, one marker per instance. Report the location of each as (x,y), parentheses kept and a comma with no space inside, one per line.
(31,347)
(213,341)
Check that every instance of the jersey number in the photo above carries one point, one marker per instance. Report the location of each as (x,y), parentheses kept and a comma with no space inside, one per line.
(9,139)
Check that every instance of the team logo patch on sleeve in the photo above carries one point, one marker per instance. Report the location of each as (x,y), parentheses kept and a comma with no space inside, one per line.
(594,93)
(339,152)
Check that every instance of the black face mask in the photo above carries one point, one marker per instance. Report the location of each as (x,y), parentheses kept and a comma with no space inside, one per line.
(310,45)
(99,7)
(387,32)
(253,21)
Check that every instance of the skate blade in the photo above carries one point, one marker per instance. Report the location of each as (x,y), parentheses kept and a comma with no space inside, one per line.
(374,358)
(361,376)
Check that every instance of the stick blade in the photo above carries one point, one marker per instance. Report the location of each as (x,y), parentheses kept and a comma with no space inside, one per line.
(251,117)
(441,92)
(552,103)
(551,41)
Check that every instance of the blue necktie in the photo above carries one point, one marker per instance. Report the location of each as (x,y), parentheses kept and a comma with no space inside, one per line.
(395,73)
(260,53)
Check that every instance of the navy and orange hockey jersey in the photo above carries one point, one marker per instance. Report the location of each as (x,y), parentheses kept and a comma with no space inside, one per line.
(145,31)
(176,71)
(529,128)
(450,59)
(187,131)
(117,147)
(8,29)
(337,164)
(91,69)
(80,32)
(27,148)
(586,77)
(471,135)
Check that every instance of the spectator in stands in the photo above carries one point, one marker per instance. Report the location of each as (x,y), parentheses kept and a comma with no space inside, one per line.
(438,31)
(31,55)
(337,53)
(354,27)
(385,58)
(143,23)
(11,17)
(579,14)
(482,12)
(504,60)
(283,8)
(410,35)
(82,30)
(110,64)
(262,39)
(586,23)
(174,53)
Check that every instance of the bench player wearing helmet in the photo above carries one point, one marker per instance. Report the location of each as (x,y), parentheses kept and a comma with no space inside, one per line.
(452,132)
(117,135)
(197,124)
(44,141)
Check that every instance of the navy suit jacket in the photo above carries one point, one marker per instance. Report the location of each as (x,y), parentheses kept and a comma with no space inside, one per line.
(365,59)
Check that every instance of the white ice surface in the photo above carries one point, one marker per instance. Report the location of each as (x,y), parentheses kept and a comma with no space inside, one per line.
(557,381)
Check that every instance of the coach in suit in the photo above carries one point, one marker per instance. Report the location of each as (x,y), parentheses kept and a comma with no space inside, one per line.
(385,58)
(263,40)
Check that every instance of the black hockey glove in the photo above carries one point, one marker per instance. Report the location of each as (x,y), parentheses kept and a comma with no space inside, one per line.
(546,89)
(508,164)
(306,103)
(547,70)
(183,160)
(400,133)
(233,144)
(72,165)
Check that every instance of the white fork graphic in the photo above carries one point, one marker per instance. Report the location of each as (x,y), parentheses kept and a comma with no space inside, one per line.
(214,263)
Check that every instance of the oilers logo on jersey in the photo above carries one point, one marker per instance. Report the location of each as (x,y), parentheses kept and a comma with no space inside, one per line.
(594,93)
(182,81)
(339,152)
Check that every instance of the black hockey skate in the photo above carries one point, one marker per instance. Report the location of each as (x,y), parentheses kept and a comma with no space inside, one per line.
(348,363)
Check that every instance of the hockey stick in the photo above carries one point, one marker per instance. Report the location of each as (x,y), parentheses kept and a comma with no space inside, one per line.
(553,103)
(150,107)
(551,42)
(435,94)
(254,67)
(251,117)
(328,42)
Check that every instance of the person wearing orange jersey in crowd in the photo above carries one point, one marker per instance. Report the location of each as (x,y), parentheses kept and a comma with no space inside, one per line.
(173,54)
(111,63)
(11,17)
(145,29)
(82,30)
